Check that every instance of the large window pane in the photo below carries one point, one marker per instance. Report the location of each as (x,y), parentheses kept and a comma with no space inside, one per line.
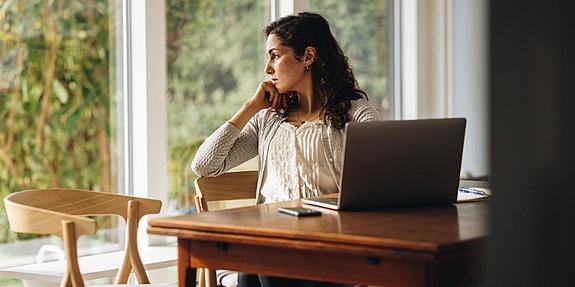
(215,63)
(362,29)
(58,101)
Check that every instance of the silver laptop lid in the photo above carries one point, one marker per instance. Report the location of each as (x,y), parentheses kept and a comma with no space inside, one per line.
(400,163)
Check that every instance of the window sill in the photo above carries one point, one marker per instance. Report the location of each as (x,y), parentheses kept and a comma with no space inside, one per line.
(93,266)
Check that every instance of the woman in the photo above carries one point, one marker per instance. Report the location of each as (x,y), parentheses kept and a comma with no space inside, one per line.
(299,145)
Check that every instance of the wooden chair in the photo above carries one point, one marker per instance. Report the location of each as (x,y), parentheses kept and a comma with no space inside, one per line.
(228,186)
(63,212)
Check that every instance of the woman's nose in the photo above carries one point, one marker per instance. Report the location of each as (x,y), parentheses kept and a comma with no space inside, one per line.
(268,69)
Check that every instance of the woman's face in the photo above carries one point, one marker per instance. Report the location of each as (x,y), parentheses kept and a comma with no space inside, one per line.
(285,70)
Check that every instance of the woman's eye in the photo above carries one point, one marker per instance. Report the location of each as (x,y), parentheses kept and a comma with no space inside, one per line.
(274,56)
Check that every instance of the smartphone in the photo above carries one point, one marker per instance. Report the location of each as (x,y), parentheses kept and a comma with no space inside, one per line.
(299,211)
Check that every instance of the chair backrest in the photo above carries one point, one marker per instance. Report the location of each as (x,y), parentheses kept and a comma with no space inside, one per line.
(63,212)
(227,186)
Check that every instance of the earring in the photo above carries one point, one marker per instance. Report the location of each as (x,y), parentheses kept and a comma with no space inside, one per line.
(307,68)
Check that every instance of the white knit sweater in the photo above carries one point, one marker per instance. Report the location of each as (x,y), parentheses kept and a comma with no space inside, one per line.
(229,146)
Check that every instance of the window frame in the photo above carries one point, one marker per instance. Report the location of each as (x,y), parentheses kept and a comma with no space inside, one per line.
(425,39)
(145,112)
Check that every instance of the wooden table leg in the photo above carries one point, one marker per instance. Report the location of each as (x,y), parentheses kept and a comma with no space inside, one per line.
(186,274)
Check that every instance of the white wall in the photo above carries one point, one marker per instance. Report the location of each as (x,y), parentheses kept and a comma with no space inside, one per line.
(470,84)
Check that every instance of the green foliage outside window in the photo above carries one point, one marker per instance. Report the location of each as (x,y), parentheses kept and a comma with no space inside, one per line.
(55,97)
(215,62)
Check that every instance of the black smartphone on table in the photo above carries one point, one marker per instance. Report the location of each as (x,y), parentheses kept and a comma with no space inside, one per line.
(299,211)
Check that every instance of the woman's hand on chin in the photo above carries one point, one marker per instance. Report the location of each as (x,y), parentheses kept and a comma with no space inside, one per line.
(267,96)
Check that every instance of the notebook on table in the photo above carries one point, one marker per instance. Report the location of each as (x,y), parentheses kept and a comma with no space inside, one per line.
(398,163)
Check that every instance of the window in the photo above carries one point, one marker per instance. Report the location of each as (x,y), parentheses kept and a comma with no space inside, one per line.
(362,30)
(59,95)
(216,60)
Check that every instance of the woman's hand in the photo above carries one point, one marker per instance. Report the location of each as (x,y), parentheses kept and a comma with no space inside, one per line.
(267,96)
(257,102)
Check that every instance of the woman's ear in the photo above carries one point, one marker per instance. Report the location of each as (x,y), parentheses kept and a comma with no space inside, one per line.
(310,55)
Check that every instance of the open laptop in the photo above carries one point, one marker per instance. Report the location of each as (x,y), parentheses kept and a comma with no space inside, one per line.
(398,163)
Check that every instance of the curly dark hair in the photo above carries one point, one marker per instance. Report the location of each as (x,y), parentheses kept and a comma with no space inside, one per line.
(332,77)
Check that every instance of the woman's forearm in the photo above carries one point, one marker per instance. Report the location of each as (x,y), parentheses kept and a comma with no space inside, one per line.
(243,116)
(225,148)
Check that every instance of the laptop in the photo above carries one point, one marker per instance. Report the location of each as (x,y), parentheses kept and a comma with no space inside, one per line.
(398,163)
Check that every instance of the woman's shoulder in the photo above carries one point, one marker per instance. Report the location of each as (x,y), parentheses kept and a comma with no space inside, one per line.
(265,117)
(359,103)
(363,110)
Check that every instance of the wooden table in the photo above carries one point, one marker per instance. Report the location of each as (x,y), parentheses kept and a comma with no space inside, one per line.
(425,246)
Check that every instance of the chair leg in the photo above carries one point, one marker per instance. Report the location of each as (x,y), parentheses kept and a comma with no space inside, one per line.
(132,260)
(210,277)
(124,270)
(132,239)
(201,277)
(72,276)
